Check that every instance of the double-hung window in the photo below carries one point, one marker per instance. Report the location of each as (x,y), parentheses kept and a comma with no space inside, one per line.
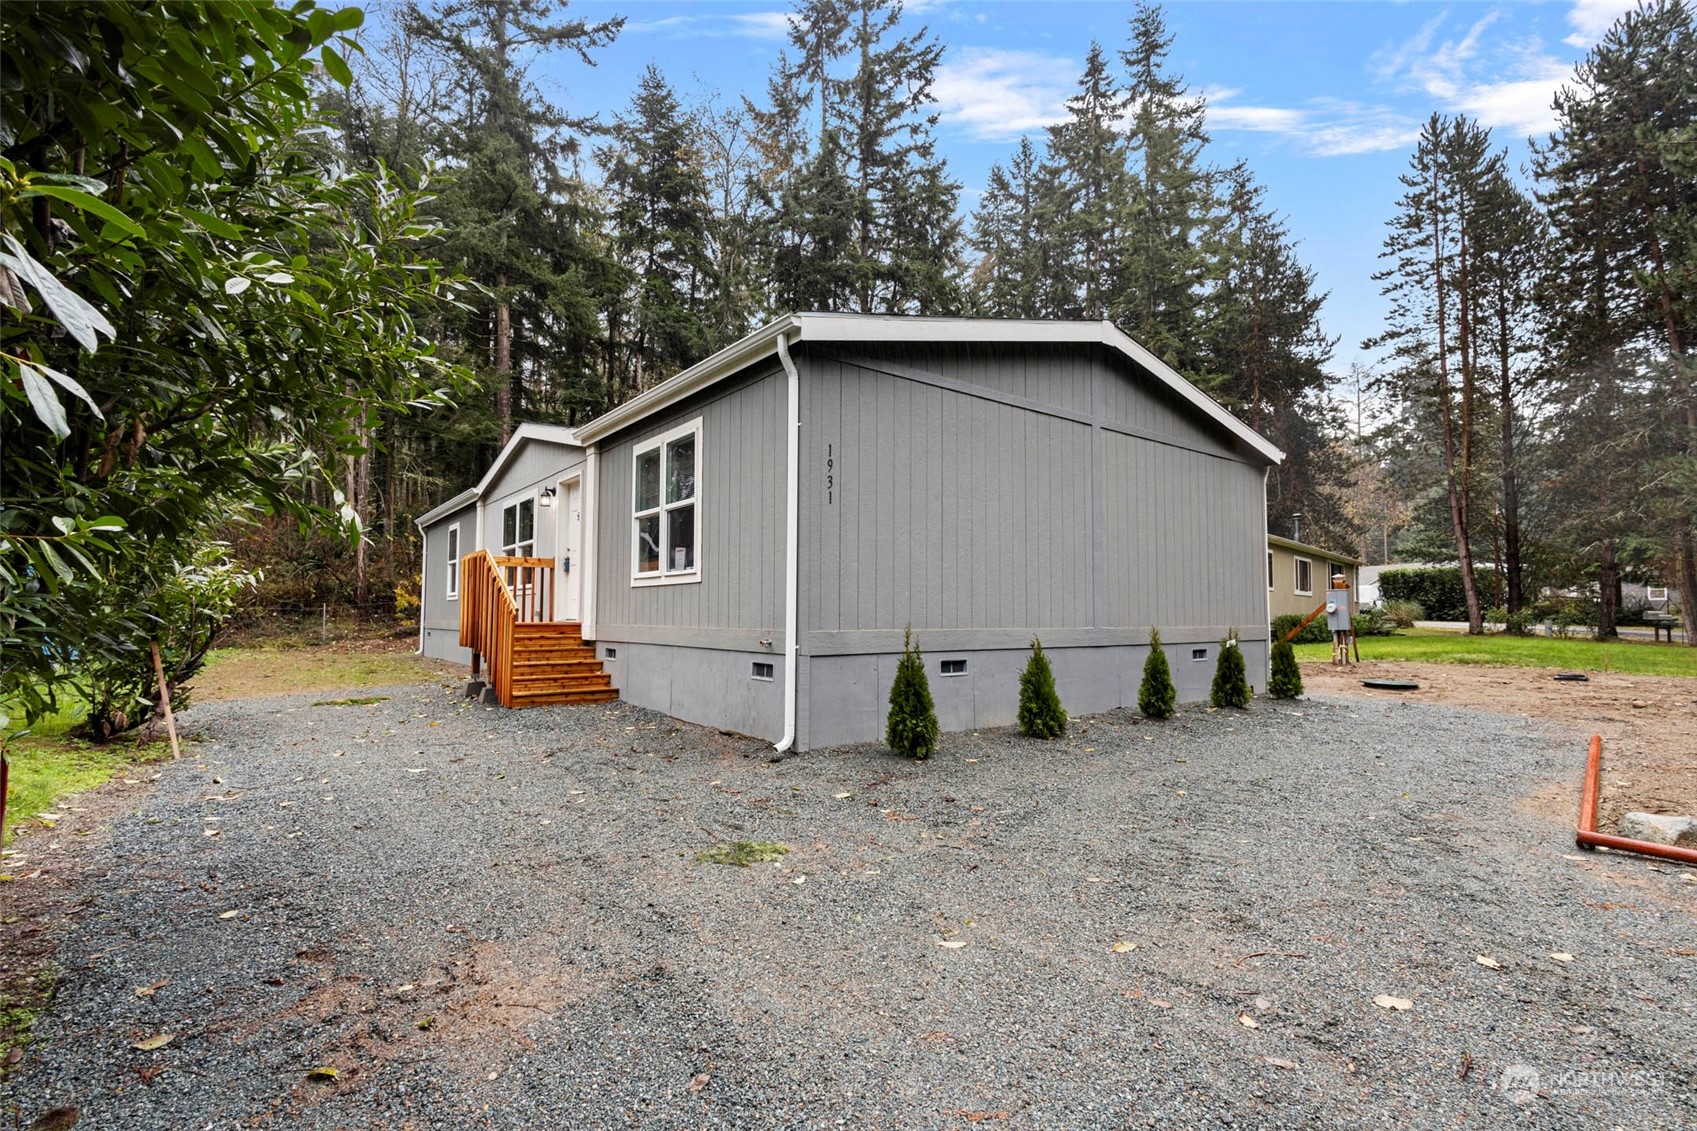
(665,511)
(518,529)
(453,561)
(1304,577)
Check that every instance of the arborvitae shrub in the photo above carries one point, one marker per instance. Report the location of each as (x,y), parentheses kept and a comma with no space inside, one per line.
(912,727)
(1231,678)
(1157,695)
(1286,679)
(1040,712)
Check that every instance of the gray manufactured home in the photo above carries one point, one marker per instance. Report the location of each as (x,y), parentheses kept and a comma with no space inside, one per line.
(743,544)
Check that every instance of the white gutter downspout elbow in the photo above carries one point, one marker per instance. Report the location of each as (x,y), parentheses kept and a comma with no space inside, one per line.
(792,541)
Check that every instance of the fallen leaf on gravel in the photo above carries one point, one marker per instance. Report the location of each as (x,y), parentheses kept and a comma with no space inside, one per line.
(148,991)
(841,796)
(1279,1062)
(1580,1029)
(1263,1004)
(1247,1021)
(1123,947)
(1386,1001)
(426,1022)
(149,1072)
(322,1072)
(1161,1002)
(59,1119)
(799,880)
(211,832)
(1487,961)
(951,944)
(417,769)
(699,1081)
(1562,956)
(152,1043)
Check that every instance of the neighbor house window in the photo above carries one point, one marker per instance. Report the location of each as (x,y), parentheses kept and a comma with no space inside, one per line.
(664,513)
(453,561)
(1305,577)
(518,529)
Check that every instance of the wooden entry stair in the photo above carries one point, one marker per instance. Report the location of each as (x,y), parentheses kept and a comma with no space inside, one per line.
(506,619)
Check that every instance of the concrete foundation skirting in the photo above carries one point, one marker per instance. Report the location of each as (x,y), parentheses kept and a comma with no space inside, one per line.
(444,644)
(710,686)
(847,697)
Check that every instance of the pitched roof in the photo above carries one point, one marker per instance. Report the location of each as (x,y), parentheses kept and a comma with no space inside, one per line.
(1317,551)
(763,343)
(546,433)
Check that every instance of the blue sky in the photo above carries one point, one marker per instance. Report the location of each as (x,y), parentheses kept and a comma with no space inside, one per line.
(1322,99)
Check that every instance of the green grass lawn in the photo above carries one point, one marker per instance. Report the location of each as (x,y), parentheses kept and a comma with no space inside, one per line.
(1430,645)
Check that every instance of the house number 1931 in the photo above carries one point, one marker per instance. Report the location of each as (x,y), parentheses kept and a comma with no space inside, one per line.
(830,474)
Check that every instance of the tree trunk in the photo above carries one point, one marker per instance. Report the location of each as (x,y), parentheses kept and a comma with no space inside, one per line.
(503,360)
(1608,609)
(1511,487)
(1687,553)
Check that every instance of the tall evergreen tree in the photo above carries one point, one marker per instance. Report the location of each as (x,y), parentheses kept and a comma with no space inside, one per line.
(658,205)
(1085,173)
(1621,290)
(1161,268)
(1012,237)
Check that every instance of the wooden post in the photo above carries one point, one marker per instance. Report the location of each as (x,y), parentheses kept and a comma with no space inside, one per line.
(165,699)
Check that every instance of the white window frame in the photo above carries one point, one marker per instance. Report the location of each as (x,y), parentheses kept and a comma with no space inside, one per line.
(454,562)
(665,576)
(512,551)
(1296,576)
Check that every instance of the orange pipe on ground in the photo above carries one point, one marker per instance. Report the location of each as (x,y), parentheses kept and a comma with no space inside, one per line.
(1587,836)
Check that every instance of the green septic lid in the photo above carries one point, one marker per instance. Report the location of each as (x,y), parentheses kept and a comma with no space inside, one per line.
(1391,684)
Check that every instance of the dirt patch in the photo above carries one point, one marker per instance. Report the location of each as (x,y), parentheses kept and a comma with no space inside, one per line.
(1648,724)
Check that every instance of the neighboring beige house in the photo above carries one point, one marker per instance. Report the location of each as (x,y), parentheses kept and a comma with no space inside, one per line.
(1298,575)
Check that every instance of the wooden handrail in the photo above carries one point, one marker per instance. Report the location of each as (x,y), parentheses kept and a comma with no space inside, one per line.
(497,594)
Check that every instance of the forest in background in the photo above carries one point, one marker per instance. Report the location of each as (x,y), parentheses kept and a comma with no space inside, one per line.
(278,280)
(1534,329)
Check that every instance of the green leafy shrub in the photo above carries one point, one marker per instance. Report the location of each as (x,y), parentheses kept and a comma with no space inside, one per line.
(1438,591)
(1286,679)
(1040,712)
(1231,677)
(1403,613)
(1314,633)
(1372,621)
(912,727)
(1157,696)
(1519,623)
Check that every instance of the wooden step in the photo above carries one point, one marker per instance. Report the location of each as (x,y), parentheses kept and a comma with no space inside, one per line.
(568,629)
(551,698)
(572,683)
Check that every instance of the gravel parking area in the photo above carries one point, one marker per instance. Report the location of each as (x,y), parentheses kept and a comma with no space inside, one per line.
(483,918)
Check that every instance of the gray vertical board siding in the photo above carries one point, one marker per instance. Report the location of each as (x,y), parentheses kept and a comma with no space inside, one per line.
(741,515)
(538,464)
(930,523)
(434,606)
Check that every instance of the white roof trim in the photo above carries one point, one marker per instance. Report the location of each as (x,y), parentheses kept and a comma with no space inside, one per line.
(443,510)
(906,328)
(547,433)
(1309,548)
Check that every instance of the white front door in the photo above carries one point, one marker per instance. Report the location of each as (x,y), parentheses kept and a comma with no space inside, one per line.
(569,550)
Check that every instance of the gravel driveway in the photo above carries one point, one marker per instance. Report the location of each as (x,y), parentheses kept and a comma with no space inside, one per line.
(487,918)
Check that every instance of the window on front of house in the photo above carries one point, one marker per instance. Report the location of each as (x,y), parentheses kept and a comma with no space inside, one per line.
(454,561)
(518,529)
(1305,577)
(664,506)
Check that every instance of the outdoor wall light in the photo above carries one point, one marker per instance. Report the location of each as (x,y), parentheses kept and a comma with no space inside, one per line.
(546,499)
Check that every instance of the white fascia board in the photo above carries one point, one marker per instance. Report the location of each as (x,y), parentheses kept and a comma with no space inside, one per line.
(909,328)
(443,510)
(762,343)
(547,433)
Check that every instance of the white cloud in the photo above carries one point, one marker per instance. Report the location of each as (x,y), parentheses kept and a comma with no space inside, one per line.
(996,95)
(1589,19)
(763,25)
(756,25)
(1326,127)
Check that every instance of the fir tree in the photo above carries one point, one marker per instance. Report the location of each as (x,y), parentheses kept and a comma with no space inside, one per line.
(1286,679)
(1085,163)
(1231,678)
(1157,695)
(912,727)
(1040,712)
(1010,233)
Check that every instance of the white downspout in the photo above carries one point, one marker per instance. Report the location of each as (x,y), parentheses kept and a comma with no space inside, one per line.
(1266,473)
(423,581)
(586,578)
(792,542)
